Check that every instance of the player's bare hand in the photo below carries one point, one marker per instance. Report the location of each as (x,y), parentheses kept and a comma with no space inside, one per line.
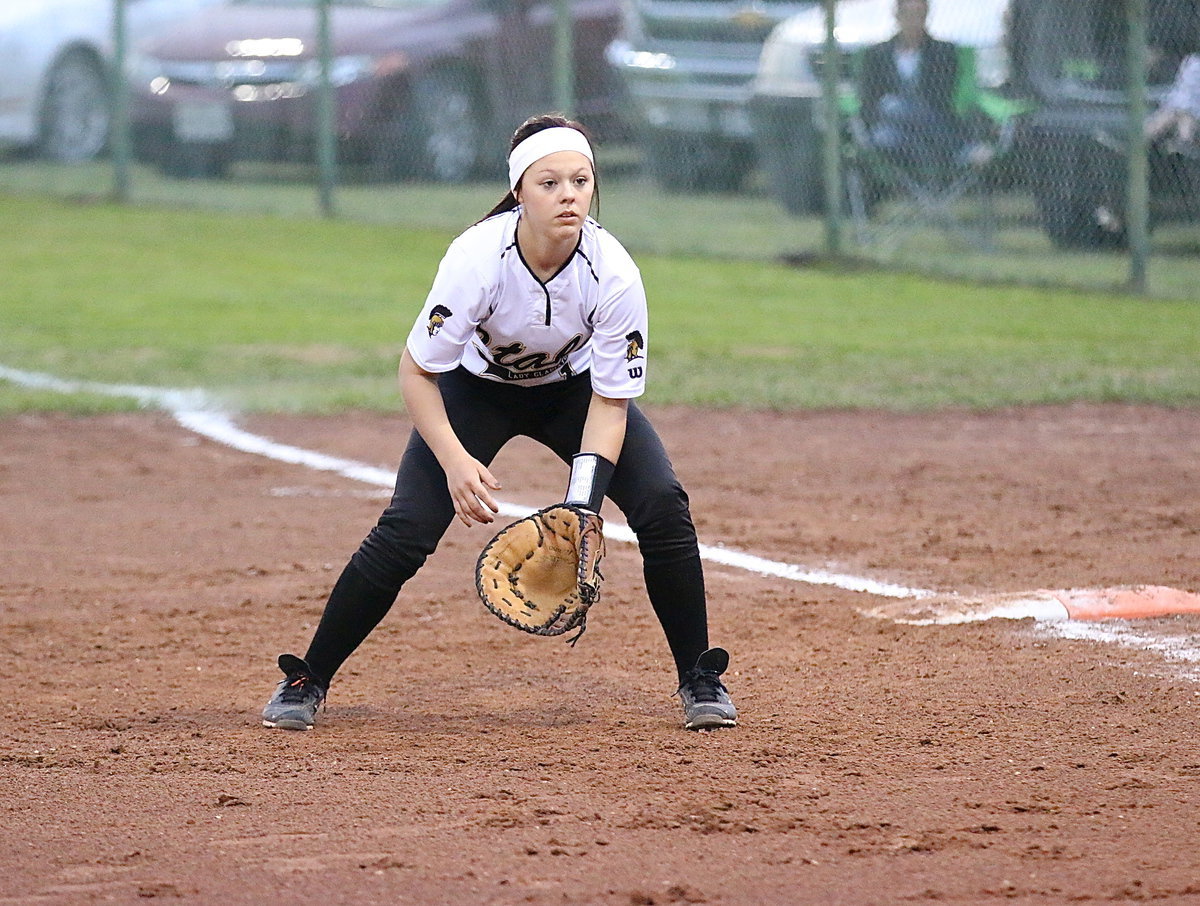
(471,485)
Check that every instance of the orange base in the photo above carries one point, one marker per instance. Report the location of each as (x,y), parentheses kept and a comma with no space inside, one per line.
(1127,603)
(1084,604)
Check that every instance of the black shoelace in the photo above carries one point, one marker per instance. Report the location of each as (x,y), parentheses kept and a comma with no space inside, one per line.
(299,687)
(706,687)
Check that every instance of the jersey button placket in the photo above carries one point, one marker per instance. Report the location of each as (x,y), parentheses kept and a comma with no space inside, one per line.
(539,307)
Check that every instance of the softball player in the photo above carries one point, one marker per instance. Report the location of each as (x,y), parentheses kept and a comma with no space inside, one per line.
(536,326)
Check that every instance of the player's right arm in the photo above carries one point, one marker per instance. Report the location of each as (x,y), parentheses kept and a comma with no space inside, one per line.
(469,481)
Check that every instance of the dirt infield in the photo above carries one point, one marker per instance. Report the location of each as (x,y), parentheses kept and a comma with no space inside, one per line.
(150,577)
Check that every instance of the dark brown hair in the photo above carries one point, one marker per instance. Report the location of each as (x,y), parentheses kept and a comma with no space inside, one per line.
(533,125)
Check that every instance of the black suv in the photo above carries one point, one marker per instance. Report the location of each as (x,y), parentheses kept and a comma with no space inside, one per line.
(1069,58)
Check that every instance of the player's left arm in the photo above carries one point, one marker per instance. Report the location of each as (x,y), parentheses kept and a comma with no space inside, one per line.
(593,466)
(618,374)
(604,430)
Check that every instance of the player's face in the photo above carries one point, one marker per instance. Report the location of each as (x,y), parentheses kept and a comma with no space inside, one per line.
(556,193)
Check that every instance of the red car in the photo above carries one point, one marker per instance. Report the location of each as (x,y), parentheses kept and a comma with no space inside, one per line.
(426,89)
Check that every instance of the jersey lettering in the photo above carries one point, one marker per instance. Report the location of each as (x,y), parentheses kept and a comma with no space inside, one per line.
(512,363)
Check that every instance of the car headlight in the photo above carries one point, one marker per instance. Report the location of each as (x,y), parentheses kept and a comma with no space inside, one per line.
(622,55)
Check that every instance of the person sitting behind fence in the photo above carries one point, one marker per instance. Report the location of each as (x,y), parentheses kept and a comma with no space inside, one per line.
(1173,131)
(906,87)
(1175,120)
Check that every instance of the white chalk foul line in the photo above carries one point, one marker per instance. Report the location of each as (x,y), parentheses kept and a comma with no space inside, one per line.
(1180,650)
(220,427)
(193,410)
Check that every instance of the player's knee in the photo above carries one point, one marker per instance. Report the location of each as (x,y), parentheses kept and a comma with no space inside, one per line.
(662,519)
(395,549)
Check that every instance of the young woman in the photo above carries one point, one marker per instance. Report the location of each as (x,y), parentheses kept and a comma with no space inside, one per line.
(536,326)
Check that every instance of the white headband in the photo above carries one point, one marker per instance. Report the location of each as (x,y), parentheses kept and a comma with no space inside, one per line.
(540,144)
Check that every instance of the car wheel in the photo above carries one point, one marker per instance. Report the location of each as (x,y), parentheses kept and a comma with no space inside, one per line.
(1073,190)
(795,179)
(696,163)
(436,136)
(1071,222)
(196,160)
(789,151)
(75,112)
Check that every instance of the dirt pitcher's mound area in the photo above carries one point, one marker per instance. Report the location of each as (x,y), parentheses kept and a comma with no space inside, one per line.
(149,578)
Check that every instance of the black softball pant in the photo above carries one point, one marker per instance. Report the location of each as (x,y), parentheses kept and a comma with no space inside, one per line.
(486,415)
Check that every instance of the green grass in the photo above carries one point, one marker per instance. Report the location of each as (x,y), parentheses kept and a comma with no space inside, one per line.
(295,313)
(745,225)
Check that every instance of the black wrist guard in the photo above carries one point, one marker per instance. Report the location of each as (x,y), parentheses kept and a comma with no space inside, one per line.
(590,475)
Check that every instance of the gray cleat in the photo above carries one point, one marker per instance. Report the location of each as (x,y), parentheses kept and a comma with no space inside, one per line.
(295,702)
(706,702)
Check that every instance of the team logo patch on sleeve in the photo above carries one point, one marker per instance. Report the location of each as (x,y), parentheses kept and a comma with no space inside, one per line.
(437,318)
(634,348)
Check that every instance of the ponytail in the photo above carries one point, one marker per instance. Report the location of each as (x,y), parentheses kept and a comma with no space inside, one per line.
(507,203)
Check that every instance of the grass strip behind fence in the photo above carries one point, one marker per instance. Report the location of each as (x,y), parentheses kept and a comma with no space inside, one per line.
(301,314)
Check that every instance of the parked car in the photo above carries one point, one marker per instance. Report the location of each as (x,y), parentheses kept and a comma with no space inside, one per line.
(1069,58)
(688,66)
(55,70)
(423,88)
(786,108)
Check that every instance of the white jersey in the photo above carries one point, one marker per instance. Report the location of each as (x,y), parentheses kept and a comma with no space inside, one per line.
(1184,94)
(487,312)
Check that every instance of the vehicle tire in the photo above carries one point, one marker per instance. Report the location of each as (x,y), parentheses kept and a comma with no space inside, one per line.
(436,136)
(803,197)
(795,180)
(196,160)
(789,154)
(697,164)
(76,111)
(1070,222)
(1069,192)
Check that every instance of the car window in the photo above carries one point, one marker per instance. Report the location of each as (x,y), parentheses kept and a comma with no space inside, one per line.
(1073,50)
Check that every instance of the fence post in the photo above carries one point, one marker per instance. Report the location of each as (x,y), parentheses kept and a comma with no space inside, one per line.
(326,124)
(564,77)
(1138,197)
(830,89)
(118,128)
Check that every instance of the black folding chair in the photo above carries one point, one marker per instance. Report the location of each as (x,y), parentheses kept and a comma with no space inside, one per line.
(889,197)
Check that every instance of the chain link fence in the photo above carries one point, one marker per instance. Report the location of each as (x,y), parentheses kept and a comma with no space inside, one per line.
(1044,141)
(1020,144)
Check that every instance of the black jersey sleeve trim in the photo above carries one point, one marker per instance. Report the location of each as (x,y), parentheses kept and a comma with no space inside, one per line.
(582,254)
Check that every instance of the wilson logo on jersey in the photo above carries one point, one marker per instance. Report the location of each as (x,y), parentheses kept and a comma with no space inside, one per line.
(437,318)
